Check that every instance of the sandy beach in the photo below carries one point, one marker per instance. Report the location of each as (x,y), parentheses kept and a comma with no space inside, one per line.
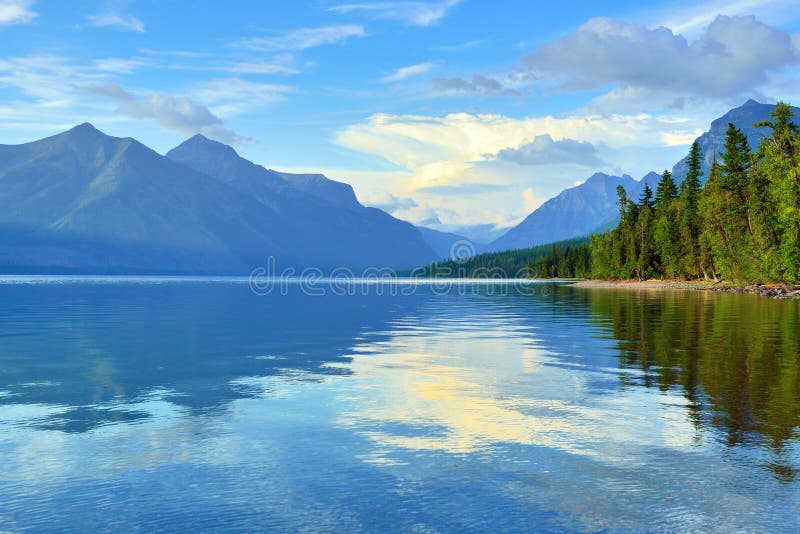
(643,285)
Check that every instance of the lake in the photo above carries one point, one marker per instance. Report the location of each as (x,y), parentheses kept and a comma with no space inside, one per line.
(164,405)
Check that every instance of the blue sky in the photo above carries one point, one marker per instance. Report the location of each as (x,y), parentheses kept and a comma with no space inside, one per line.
(446,112)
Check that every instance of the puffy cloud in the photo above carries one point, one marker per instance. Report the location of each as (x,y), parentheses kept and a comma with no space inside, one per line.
(734,55)
(16,12)
(408,72)
(479,84)
(447,159)
(544,151)
(413,13)
(405,208)
(180,114)
(390,203)
(302,38)
(531,201)
(110,20)
(696,17)
(447,146)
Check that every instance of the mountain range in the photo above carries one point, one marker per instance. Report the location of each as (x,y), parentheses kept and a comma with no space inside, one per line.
(83,201)
(591,206)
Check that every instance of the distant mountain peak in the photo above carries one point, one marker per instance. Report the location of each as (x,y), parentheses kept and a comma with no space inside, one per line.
(84,131)
(200,142)
(86,126)
(598,177)
(751,102)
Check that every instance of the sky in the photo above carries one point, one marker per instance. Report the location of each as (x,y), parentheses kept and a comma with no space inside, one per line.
(446,113)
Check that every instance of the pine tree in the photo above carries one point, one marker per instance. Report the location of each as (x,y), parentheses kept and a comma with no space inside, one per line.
(646,198)
(777,195)
(713,239)
(743,225)
(666,190)
(738,262)
(690,216)
(666,238)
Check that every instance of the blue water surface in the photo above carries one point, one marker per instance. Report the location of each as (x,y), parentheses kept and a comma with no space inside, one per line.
(198,405)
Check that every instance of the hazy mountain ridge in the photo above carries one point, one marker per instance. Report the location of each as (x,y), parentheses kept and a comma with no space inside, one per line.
(574,212)
(587,208)
(329,225)
(712,142)
(91,202)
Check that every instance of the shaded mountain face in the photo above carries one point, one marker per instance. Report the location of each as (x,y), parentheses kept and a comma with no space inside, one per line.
(447,245)
(712,142)
(574,212)
(324,220)
(83,201)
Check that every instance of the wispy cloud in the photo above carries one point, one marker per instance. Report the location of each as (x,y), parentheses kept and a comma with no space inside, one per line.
(119,65)
(280,64)
(478,84)
(109,20)
(408,72)
(302,39)
(180,114)
(173,53)
(16,12)
(459,46)
(228,97)
(411,13)
(690,19)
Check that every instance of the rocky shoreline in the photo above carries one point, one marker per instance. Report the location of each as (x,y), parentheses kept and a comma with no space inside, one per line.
(775,292)
(769,291)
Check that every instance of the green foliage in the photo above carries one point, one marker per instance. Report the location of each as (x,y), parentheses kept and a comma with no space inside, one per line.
(666,191)
(743,225)
(690,215)
(564,259)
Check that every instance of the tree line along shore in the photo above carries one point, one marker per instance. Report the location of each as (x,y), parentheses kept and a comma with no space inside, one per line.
(739,230)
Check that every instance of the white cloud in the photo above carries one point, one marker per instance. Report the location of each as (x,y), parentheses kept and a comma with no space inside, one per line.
(460,47)
(543,150)
(531,201)
(109,20)
(180,114)
(447,158)
(388,202)
(404,73)
(692,18)
(45,77)
(228,97)
(119,65)
(721,63)
(16,12)
(409,12)
(302,38)
(478,84)
(245,67)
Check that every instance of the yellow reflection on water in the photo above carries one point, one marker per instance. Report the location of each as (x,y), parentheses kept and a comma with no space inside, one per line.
(432,401)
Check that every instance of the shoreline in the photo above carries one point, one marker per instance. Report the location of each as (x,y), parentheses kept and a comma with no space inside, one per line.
(776,291)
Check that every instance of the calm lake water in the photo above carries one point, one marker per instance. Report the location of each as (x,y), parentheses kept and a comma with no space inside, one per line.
(202,406)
